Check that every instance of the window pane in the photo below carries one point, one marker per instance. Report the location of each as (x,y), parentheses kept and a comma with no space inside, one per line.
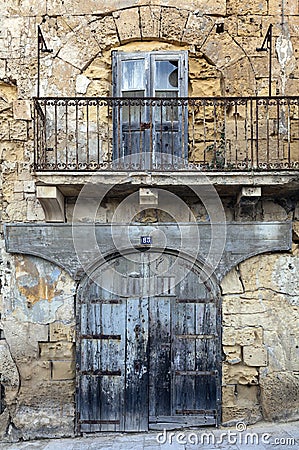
(133,74)
(169,112)
(166,75)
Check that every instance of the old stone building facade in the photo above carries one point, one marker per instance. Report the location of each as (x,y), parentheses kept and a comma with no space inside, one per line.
(154,239)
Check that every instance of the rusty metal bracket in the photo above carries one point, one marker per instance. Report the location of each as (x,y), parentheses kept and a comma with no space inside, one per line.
(41,47)
(267,45)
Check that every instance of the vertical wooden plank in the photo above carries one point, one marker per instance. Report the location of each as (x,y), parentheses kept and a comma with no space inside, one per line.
(136,398)
(112,353)
(159,357)
(102,362)
(206,355)
(183,356)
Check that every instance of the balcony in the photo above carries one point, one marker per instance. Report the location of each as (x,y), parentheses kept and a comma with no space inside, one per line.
(166,134)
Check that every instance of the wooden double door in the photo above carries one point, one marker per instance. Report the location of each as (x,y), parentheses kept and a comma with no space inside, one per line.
(149,352)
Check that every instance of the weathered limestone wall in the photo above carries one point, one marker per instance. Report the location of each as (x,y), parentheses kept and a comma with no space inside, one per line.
(260,339)
(260,303)
(221,39)
(37,357)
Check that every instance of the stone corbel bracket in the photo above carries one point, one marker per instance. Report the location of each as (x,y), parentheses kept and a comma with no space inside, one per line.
(52,202)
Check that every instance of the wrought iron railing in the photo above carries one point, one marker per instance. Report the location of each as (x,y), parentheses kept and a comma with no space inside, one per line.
(158,134)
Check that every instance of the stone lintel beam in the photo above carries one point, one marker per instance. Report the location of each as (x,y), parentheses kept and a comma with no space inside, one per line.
(70,245)
(52,202)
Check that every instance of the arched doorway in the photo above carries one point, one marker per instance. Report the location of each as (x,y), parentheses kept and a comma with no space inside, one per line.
(149,345)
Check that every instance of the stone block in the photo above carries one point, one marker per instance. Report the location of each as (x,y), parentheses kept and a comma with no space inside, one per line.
(197,28)
(127,22)
(243,336)
(105,32)
(63,370)
(229,395)
(173,23)
(16,211)
(208,87)
(18,186)
(36,370)
(244,320)
(34,210)
(221,49)
(9,372)
(280,348)
(82,83)
(56,350)
(23,337)
(241,8)
(61,332)
(80,49)
(279,395)
(2,68)
(18,130)
(22,110)
(217,7)
(260,272)
(249,26)
(150,21)
(229,336)
(18,196)
(251,191)
(148,196)
(48,392)
(240,374)
(5,420)
(4,130)
(233,354)
(8,91)
(250,335)
(231,283)
(29,186)
(247,396)
(97,70)
(46,419)
(235,304)
(241,85)
(233,414)
(255,356)
(291,8)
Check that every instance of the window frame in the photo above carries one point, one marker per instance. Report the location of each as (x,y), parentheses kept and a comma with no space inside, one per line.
(156,141)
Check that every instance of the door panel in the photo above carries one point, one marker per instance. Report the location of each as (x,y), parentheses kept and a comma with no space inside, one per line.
(102,373)
(148,361)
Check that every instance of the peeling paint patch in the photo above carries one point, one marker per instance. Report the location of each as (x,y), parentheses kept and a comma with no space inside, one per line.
(41,291)
(34,283)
